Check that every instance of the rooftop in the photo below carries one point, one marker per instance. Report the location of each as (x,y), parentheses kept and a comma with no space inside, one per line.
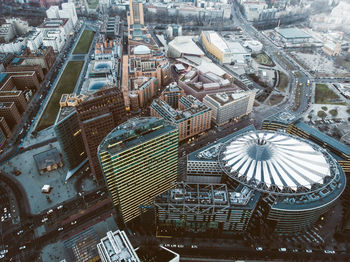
(117,247)
(216,39)
(134,132)
(291,33)
(208,195)
(47,158)
(228,97)
(186,45)
(192,107)
(278,160)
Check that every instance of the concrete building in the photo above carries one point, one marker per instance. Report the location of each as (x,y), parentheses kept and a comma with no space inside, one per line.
(182,46)
(116,247)
(44,56)
(292,35)
(332,49)
(55,32)
(201,208)
(9,112)
(172,94)
(67,11)
(139,161)
(200,84)
(216,46)
(254,46)
(230,106)
(144,71)
(191,116)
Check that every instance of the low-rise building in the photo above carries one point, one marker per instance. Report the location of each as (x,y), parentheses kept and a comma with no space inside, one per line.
(230,106)
(183,45)
(48,160)
(331,48)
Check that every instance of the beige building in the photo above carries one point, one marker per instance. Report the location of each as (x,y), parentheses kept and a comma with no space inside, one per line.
(332,49)
(229,106)
(216,46)
(191,116)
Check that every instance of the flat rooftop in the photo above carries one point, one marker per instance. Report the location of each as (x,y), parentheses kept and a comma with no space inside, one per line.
(291,33)
(134,132)
(228,97)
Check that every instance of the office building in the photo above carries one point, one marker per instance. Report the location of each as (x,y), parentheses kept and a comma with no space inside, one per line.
(98,114)
(8,110)
(135,15)
(139,161)
(191,116)
(230,106)
(199,84)
(203,208)
(44,56)
(68,133)
(116,247)
(83,122)
(172,94)
(144,72)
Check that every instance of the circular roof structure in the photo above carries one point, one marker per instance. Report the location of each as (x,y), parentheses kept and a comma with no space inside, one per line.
(141,50)
(275,161)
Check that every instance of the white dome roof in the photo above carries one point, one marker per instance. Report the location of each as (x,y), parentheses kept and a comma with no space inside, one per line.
(275,159)
(141,50)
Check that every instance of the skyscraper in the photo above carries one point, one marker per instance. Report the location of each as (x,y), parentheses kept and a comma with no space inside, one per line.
(84,121)
(98,115)
(139,160)
(135,15)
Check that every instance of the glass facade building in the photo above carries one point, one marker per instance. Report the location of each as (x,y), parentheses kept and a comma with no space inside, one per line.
(139,161)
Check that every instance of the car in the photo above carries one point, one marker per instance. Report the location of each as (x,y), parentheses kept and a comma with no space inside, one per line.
(295,250)
(308,251)
(44,219)
(329,251)
(19,232)
(3,252)
(59,207)
(60,229)
(22,247)
(2,256)
(49,212)
(73,222)
(282,249)
(259,248)
(194,246)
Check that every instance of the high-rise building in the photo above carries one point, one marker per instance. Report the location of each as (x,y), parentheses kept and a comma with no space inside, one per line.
(139,161)
(84,121)
(98,114)
(135,15)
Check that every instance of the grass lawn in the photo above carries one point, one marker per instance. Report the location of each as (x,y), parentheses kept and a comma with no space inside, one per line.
(65,85)
(283,81)
(84,42)
(92,3)
(264,59)
(324,95)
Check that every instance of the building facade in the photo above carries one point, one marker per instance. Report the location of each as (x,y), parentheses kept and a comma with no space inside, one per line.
(139,161)
(191,115)
(230,106)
